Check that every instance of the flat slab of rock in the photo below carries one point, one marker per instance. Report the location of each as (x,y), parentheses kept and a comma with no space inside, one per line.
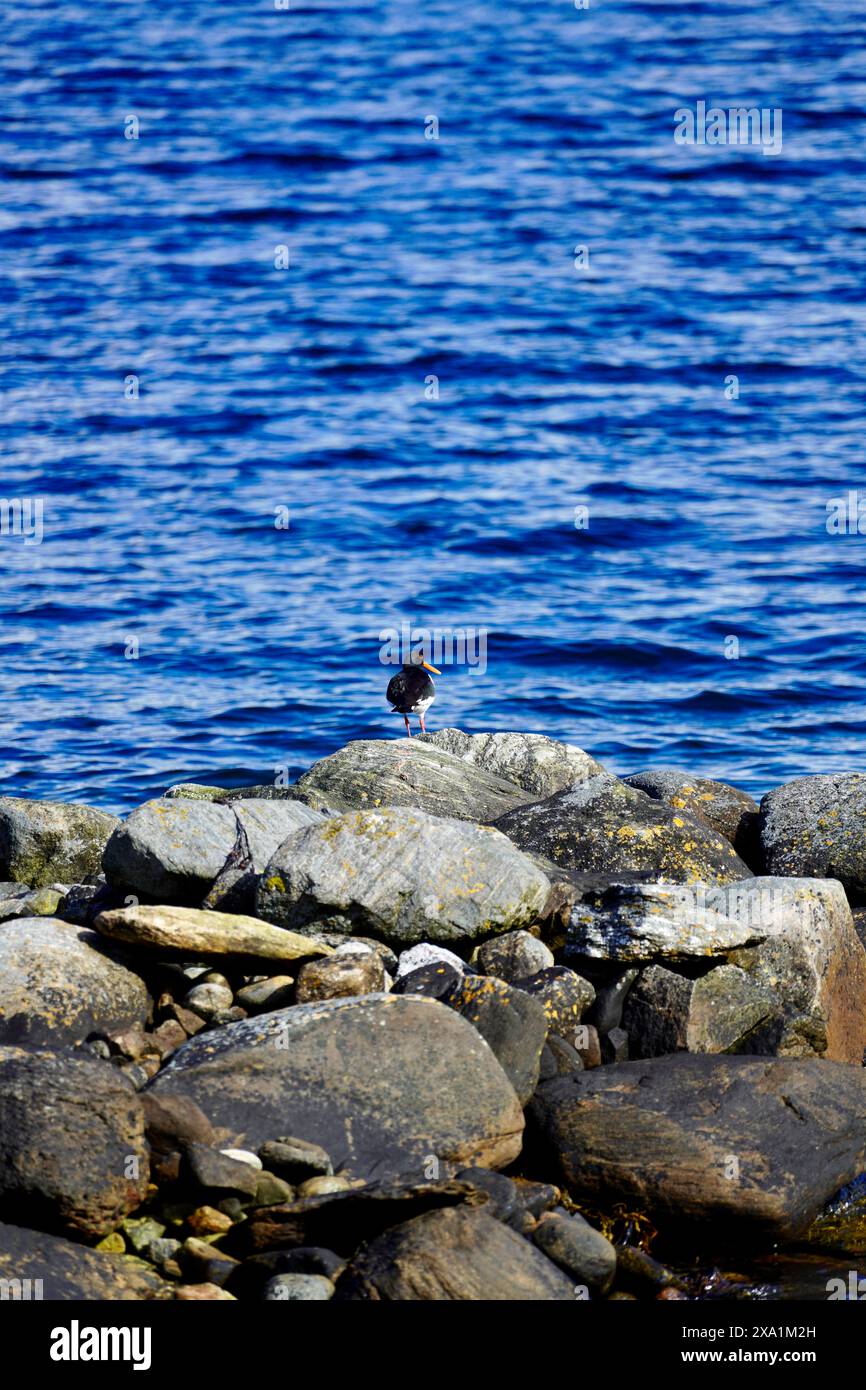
(69,1127)
(537,764)
(197,932)
(59,983)
(175,848)
(731,812)
(454,1254)
(383,1083)
(404,876)
(745,1145)
(813,827)
(43,842)
(648,921)
(71,1273)
(603,826)
(811,959)
(369,773)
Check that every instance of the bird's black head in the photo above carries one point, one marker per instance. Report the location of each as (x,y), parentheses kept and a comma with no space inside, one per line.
(416,658)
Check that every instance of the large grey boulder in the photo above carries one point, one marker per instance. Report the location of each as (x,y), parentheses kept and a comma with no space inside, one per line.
(369,773)
(38,1266)
(603,826)
(195,933)
(73,1155)
(401,875)
(752,1147)
(813,827)
(725,1010)
(175,848)
(810,958)
(45,842)
(647,921)
(383,1083)
(58,983)
(453,1254)
(726,809)
(534,762)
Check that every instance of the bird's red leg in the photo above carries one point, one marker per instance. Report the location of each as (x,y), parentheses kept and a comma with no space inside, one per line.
(423,730)
(406,722)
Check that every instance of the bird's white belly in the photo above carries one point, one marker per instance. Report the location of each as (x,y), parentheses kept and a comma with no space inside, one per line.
(422,706)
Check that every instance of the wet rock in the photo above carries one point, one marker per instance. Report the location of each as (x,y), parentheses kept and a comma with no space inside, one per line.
(59,983)
(512,1023)
(610,997)
(199,933)
(813,828)
(539,765)
(725,1010)
(248,1279)
(42,842)
(341,975)
(811,960)
(564,996)
(371,773)
(379,1081)
(582,1252)
(405,876)
(503,1197)
(69,1272)
(643,922)
(71,1132)
(750,1147)
(604,826)
(731,812)
(513,956)
(451,1255)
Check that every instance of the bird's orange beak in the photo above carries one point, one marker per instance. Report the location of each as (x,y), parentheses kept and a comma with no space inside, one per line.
(428,667)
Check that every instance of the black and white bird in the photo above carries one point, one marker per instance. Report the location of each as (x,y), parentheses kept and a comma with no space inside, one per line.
(411,691)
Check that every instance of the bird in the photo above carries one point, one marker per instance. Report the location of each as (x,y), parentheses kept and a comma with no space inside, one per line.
(411,691)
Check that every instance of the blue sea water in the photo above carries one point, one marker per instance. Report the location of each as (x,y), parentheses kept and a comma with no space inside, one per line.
(560,386)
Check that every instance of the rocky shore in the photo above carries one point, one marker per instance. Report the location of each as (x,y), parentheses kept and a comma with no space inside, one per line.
(455,1017)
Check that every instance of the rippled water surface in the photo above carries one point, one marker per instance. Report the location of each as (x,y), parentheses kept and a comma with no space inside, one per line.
(304,388)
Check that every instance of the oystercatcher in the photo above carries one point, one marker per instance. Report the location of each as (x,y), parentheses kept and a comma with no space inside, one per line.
(411,691)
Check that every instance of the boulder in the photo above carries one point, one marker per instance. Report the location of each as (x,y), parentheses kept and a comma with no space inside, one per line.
(34,1265)
(748,1147)
(450,1255)
(644,921)
(603,826)
(382,1082)
(512,956)
(59,983)
(813,828)
(564,995)
(402,875)
(731,812)
(583,1253)
(537,764)
(811,960)
(43,842)
(195,933)
(725,1010)
(511,1022)
(369,773)
(358,971)
(174,849)
(73,1155)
